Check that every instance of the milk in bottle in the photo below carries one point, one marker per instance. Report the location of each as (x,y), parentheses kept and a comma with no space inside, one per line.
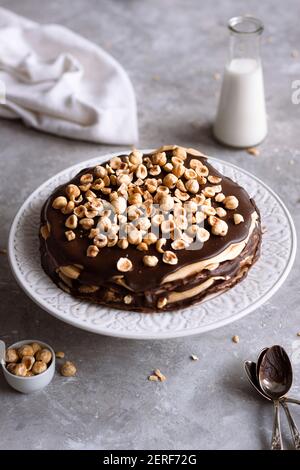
(241,117)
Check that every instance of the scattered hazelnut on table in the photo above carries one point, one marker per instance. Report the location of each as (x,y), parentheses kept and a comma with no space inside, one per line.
(161,376)
(194,357)
(60,354)
(44,355)
(253,151)
(153,378)
(25,350)
(39,367)
(236,339)
(11,355)
(157,376)
(68,369)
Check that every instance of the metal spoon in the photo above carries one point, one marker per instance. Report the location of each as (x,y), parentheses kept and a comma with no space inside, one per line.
(276,435)
(275,379)
(250,369)
(258,361)
(292,424)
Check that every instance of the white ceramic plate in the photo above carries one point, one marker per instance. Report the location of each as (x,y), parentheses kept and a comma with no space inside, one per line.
(264,279)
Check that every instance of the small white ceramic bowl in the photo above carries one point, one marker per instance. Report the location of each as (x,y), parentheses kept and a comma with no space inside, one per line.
(36,382)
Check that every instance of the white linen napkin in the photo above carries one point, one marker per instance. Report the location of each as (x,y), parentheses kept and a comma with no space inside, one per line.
(58,82)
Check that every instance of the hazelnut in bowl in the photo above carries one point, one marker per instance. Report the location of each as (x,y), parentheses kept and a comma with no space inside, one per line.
(29,365)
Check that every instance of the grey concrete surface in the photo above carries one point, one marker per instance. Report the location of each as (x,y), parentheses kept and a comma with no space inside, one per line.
(171,49)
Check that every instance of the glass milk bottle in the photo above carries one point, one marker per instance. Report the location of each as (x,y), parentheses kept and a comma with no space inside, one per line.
(241,118)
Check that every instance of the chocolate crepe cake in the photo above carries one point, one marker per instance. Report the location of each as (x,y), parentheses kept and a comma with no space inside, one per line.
(149,232)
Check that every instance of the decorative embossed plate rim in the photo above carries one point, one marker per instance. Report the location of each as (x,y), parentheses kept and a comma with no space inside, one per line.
(264,279)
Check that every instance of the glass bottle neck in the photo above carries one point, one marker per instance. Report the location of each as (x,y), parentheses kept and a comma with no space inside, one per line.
(241,47)
(245,34)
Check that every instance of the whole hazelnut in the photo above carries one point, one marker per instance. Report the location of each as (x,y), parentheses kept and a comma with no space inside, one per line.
(20,370)
(60,354)
(11,355)
(39,367)
(25,350)
(29,373)
(10,367)
(44,355)
(36,347)
(28,361)
(68,369)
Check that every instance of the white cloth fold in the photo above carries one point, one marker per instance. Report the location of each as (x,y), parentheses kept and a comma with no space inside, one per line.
(58,82)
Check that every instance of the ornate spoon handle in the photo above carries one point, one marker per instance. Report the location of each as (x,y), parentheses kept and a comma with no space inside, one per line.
(292,400)
(276,443)
(292,424)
